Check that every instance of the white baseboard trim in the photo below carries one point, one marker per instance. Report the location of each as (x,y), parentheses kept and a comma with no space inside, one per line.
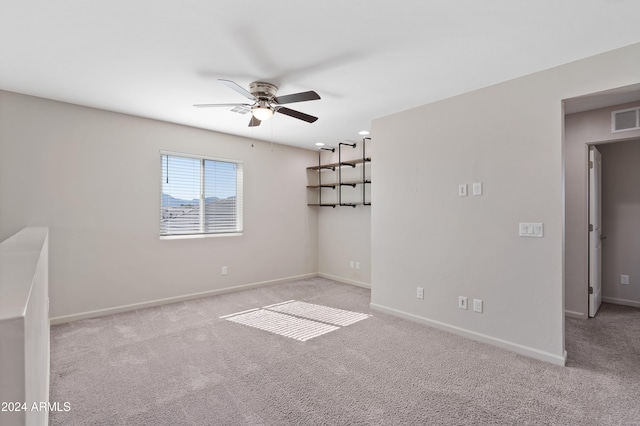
(624,302)
(344,280)
(168,300)
(572,314)
(511,346)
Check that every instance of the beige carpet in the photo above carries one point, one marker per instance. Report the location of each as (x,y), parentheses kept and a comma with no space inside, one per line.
(182,364)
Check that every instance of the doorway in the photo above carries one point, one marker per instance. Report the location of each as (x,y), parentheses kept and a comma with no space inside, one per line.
(587,122)
(614,266)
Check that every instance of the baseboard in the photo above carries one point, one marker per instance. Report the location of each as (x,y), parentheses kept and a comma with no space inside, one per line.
(624,302)
(572,314)
(158,302)
(344,280)
(511,346)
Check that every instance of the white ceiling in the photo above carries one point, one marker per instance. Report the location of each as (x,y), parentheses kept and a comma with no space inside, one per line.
(366,59)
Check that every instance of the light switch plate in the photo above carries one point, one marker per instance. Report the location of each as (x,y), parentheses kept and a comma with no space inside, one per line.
(624,279)
(462,190)
(462,302)
(477,188)
(477,305)
(535,230)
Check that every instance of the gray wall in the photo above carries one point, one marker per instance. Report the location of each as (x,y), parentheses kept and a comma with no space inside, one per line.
(344,233)
(93,177)
(621,221)
(510,137)
(581,130)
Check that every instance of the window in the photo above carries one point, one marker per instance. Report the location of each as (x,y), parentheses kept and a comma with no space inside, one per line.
(200,196)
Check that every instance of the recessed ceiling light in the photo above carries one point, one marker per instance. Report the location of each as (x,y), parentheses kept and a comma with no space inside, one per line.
(363,132)
(319,144)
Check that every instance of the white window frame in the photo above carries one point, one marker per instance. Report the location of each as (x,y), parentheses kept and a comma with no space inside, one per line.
(239,197)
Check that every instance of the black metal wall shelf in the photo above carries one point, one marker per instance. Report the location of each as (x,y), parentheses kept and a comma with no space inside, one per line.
(339,183)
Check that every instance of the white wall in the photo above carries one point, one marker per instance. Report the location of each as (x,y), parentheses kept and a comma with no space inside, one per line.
(93,177)
(581,130)
(508,136)
(621,222)
(344,233)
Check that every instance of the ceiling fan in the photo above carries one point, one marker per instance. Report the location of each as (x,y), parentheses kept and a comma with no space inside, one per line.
(265,102)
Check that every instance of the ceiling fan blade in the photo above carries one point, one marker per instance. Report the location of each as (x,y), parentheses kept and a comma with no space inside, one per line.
(297,97)
(254,122)
(234,86)
(220,105)
(297,114)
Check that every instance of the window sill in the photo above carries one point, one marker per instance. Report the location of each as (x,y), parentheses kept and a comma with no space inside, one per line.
(191,236)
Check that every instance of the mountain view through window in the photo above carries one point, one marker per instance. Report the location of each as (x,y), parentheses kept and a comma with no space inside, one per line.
(200,196)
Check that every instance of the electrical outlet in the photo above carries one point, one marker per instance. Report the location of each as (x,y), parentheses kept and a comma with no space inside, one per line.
(420,292)
(477,188)
(462,302)
(477,305)
(624,279)
(224,270)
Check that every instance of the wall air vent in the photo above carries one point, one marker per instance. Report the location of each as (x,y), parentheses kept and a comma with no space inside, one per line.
(625,119)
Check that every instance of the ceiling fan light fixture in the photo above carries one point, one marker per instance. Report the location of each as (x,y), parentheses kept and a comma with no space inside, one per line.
(261,112)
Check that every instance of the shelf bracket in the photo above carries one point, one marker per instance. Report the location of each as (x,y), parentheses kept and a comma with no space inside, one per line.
(340,164)
(364,180)
(320,171)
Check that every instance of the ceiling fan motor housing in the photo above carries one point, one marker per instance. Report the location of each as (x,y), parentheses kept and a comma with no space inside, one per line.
(262,90)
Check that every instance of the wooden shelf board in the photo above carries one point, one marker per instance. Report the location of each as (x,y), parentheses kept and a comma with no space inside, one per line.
(344,163)
(333,185)
(336,204)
